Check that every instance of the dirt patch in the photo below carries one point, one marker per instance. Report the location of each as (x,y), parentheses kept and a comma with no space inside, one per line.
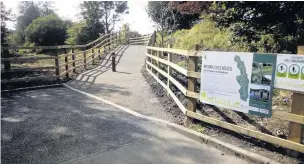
(167,102)
(271,126)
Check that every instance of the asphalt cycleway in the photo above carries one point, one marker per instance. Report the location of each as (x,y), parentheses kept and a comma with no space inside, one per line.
(59,125)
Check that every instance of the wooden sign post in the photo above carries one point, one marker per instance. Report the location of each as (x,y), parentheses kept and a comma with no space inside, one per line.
(297,107)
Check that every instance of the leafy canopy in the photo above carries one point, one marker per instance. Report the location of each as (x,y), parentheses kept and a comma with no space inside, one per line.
(47,30)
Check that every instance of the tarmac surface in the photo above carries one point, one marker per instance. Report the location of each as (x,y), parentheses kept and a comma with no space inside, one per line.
(58,125)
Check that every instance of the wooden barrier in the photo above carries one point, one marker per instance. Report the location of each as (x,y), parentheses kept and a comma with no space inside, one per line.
(295,118)
(69,67)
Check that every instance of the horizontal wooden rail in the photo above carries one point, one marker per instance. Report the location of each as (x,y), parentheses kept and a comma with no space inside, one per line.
(262,136)
(170,50)
(144,39)
(28,79)
(179,104)
(23,59)
(99,39)
(172,65)
(70,54)
(176,83)
(138,38)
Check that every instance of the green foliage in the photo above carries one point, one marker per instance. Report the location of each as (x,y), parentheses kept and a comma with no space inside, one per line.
(5,16)
(101,16)
(47,31)
(266,26)
(78,34)
(208,36)
(124,32)
(30,11)
(198,128)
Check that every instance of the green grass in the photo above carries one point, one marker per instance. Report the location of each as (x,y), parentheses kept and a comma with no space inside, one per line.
(197,127)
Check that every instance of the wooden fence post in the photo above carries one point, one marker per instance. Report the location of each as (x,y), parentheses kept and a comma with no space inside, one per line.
(73,58)
(57,64)
(93,56)
(157,63)
(84,58)
(192,84)
(297,107)
(7,64)
(99,56)
(169,69)
(66,61)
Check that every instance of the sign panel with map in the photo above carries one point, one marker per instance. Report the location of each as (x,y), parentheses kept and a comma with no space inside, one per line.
(238,81)
(290,72)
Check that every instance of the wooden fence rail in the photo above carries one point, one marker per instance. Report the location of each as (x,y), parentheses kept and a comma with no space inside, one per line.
(90,52)
(193,96)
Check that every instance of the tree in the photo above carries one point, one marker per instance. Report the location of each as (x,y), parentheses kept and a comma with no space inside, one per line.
(78,34)
(5,16)
(28,11)
(112,11)
(171,16)
(101,16)
(46,7)
(271,26)
(92,15)
(47,30)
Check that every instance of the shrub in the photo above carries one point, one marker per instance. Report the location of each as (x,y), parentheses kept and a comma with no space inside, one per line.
(47,30)
(78,34)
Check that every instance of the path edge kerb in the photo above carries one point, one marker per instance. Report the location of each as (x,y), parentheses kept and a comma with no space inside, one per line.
(202,138)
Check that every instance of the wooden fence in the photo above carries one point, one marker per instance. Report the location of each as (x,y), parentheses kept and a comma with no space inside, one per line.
(64,65)
(156,58)
(142,40)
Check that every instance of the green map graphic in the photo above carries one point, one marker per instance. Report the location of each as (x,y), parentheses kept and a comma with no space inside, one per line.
(242,79)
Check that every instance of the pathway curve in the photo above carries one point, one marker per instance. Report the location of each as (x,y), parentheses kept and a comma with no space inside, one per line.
(126,87)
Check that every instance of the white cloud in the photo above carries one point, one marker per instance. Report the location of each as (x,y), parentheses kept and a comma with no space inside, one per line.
(137,17)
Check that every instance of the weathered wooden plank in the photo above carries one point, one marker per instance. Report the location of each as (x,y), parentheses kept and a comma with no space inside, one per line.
(172,65)
(255,134)
(176,83)
(192,84)
(288,117)
(169,70)
(175,51)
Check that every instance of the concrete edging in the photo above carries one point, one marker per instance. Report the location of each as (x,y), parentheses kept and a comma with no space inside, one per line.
(202,138)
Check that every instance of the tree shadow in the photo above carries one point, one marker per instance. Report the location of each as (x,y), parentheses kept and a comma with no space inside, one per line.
(253,122)
(89,77)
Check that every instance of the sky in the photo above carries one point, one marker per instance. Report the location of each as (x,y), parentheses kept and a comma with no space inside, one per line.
(68,9)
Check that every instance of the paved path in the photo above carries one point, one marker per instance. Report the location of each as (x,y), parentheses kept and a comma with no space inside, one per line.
(127,86)
(58,125)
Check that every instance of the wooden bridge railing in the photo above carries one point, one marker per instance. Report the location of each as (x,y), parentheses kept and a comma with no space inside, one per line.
(64,64)
(156,58)
(143,40)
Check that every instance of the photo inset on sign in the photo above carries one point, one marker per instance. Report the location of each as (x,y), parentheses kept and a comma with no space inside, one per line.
(259,93)
(261,73)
